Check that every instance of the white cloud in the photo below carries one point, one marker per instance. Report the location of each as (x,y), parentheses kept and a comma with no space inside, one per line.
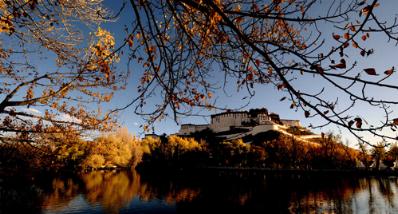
(68,118)
(32,111)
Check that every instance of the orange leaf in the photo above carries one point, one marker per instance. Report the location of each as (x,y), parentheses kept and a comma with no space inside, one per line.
(318,68)
(355,44)
(336,36)
(358,122)
(281,86)
(364,37)
(395,121)
(258,62)
(346,36)
(370,71)
(341,65)
(130,43)
(366,9)
(249,77)
(389,71)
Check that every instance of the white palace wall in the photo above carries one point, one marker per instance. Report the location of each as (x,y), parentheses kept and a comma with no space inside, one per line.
(223,122)
(260,121)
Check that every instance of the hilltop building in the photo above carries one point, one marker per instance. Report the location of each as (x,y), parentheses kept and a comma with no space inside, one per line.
(235,123)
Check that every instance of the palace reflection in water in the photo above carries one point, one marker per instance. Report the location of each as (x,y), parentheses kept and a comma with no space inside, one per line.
(215,191)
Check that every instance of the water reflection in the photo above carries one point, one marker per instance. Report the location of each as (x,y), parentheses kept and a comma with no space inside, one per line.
(112,190)
(130,192)
(61,193)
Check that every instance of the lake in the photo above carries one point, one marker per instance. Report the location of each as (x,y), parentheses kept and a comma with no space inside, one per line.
(210,191)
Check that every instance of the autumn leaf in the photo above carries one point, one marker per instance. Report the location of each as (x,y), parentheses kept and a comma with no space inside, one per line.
(364,37)
(29,93)
(352,28)
(249,77)
(302,9)
(395,121)
(281,86)
(269,71)
(130,42)
(346,36)
(355,44)
(389,71)
(366,9)
(306,114)
(258,62)
(358,122)
(239,19)
(350,123)
(341,65)
(370,71)
(336,36)
(318,68)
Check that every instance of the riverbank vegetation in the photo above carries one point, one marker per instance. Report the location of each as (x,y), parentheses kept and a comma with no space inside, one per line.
(122,150)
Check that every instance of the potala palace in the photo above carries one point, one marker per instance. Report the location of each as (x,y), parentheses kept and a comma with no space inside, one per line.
(238,124)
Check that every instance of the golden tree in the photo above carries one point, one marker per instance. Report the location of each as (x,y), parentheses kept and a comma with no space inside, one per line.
(119,149)
(51,70)
(182,44)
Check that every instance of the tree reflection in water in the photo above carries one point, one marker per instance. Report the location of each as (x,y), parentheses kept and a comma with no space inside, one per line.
(112,190)
(215,191)
(61,193)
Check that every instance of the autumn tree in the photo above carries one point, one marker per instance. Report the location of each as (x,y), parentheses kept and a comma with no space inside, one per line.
(393,152)
(177,146)
(52,69)
(120,149)
(183,44)
(378,154)
(364,156)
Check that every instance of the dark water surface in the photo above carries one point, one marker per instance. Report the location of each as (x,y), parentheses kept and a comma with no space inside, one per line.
(202,192)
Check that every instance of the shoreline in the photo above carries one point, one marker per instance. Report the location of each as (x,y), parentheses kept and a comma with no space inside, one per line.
(357,171)
(4,171)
